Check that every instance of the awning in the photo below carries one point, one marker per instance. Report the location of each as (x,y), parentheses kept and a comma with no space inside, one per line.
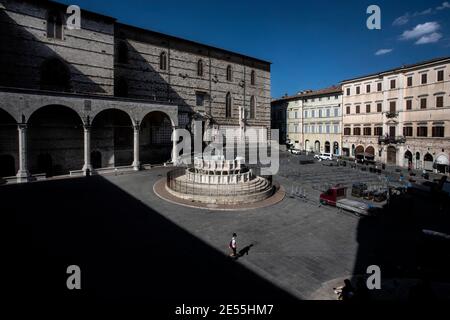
(442,160)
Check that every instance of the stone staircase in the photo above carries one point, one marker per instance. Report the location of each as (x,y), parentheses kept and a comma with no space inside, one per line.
(256,185)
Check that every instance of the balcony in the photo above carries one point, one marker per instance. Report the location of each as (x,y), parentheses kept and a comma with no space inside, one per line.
(391,139)
(391,114)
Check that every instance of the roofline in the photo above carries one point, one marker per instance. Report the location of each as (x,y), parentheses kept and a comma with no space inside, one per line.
(160,34)
(163,34)
(56,3)
(404,67)
(314,93)
(290,98)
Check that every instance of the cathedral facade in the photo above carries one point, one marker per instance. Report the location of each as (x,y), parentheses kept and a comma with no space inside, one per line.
(109,95)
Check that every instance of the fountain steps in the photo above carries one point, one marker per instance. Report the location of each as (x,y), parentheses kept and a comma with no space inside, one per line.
(258,184)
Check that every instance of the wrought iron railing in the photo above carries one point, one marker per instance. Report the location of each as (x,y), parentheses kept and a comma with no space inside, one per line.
(391,114)
(391,139)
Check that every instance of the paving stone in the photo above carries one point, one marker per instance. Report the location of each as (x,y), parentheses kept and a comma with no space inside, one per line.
(295,241)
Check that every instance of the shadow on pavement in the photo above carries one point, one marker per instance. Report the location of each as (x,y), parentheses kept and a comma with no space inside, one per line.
(395,240)
(127,252)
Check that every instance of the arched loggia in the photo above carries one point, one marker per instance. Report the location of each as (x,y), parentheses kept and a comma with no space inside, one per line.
(369,153)
(96,159)
(55,140)
(8,145)
(112,136)
(155,138)
(359,152)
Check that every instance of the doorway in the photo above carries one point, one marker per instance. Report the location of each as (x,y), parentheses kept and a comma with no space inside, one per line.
(391,155)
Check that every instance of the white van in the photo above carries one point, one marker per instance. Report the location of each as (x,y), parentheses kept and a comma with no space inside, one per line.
(324,156)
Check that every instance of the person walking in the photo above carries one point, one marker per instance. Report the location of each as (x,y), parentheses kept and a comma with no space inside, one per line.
(233,245)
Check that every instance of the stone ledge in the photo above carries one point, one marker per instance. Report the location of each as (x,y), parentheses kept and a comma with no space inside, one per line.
(159,188)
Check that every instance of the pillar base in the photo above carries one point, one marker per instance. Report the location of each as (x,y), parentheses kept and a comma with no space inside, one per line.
(23,177)
(136,166)
(86,169)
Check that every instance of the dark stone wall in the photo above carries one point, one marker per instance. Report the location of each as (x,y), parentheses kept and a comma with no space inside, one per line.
(88,53)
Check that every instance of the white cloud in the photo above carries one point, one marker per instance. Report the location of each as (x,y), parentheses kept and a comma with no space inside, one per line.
(383,51)
(401,20)
(430,38)
(420,30)
(443,6)
(424,12)
(404,19)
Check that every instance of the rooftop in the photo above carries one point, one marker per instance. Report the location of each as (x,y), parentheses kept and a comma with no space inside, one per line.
(337,89)
(170,37)
(114,20)
(400,68)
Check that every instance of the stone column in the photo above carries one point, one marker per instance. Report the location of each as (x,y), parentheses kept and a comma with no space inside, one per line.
(136,162)
(22,175)
(87,167)
(175,138)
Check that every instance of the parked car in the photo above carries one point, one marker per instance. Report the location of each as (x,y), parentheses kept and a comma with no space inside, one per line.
(323,156)
(295,151)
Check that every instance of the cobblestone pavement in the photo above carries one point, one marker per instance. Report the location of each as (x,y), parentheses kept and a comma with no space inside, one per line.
(298,244)
(312,179)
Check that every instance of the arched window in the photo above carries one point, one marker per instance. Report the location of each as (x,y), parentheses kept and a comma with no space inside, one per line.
(200,68)
(163,61)
(252,78)
(229,73)
(252,107)
(122,52)
(428,157)
(55,75)
(54,25)
(228,105)
(121,88)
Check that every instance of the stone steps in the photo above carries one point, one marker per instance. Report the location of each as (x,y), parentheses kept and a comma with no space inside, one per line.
(256,185)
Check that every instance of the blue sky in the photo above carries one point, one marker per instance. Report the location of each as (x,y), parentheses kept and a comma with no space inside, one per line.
(311,44)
